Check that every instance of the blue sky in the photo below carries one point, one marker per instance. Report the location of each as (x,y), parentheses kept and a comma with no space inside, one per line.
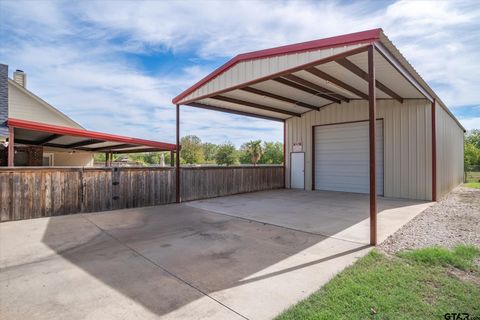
(114,66)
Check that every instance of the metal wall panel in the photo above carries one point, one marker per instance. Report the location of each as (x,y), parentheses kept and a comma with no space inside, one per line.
(407,142)
(450,139)
(253,69)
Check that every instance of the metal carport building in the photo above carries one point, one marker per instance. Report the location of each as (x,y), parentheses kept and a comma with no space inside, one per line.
(349,104)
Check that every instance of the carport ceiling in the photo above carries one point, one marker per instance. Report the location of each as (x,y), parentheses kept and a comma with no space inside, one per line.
(288,81)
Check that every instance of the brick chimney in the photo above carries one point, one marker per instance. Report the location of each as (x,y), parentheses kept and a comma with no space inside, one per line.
(20,77)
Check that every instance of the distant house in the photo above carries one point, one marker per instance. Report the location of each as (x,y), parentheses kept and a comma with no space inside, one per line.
(34,133)
(25,105)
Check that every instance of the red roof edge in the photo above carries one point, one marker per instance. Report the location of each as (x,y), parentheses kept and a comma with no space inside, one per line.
(351,38)
(44,127)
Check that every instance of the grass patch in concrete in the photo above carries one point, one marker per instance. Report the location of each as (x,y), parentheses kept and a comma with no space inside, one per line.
(475,185)
(417,284)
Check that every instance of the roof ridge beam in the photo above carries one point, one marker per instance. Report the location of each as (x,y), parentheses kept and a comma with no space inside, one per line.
(352,67)
(316,87)
(325,76)
(277,97)
(255,105)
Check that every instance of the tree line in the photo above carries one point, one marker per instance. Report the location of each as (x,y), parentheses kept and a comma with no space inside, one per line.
(194,151)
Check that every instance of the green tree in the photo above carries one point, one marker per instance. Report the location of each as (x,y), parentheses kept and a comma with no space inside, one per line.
(191,150)
(272,154)
(209,151)
(472,149)
(473,137)
(472,155)
(99,157)
(254,149)
(226,154)
(243,155)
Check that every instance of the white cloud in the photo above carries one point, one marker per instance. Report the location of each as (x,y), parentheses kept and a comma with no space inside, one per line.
(471,123)
(78,55)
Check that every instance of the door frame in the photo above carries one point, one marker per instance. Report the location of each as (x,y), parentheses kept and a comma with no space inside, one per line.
(291,166)
(347,122)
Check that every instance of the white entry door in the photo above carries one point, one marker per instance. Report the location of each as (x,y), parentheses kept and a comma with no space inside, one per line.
(297,163)
(342,157)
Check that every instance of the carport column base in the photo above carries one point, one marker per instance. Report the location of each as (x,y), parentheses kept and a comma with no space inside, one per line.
(372,111)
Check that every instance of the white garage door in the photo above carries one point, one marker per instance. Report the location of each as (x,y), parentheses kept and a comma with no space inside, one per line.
(341,157)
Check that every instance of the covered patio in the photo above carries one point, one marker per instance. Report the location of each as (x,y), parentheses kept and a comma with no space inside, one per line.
(42,136)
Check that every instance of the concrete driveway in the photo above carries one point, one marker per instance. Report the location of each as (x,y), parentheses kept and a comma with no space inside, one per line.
(244,256)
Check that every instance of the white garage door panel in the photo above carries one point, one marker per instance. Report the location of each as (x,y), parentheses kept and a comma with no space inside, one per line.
(341,157)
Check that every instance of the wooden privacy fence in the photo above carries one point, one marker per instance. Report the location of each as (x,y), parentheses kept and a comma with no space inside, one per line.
(43,192)
(210,182)
(33,192)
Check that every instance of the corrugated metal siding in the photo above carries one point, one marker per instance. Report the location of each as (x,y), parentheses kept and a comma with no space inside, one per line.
(407,139)
(450,139)
(253,69)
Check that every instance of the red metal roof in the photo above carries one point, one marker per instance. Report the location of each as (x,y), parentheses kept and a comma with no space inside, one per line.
(43,127)
(346,39)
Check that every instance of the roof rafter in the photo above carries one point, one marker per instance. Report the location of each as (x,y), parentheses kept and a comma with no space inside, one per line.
(237,112)
(255,105)
(297,86)
(316,87)
(352,67)
(143,150)
(325,76)
(117,146)
(83,143)
(49,138)
(277,97)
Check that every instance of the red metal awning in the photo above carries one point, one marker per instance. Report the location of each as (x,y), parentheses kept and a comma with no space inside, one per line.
(37,133)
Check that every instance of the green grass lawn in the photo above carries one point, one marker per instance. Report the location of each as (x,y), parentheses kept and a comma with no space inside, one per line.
(475,185)
(420,284)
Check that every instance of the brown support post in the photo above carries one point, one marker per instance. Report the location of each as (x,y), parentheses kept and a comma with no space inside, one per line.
(284,152)
(434,152)
(11,148)
(106,159)
(172,159)
(177,159)
(372,148)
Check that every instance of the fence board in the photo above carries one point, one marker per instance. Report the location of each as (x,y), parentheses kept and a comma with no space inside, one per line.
(209,182)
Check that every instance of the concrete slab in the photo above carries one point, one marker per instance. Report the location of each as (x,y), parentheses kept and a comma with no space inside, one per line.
(235,257)
(94,278)
(334,214)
